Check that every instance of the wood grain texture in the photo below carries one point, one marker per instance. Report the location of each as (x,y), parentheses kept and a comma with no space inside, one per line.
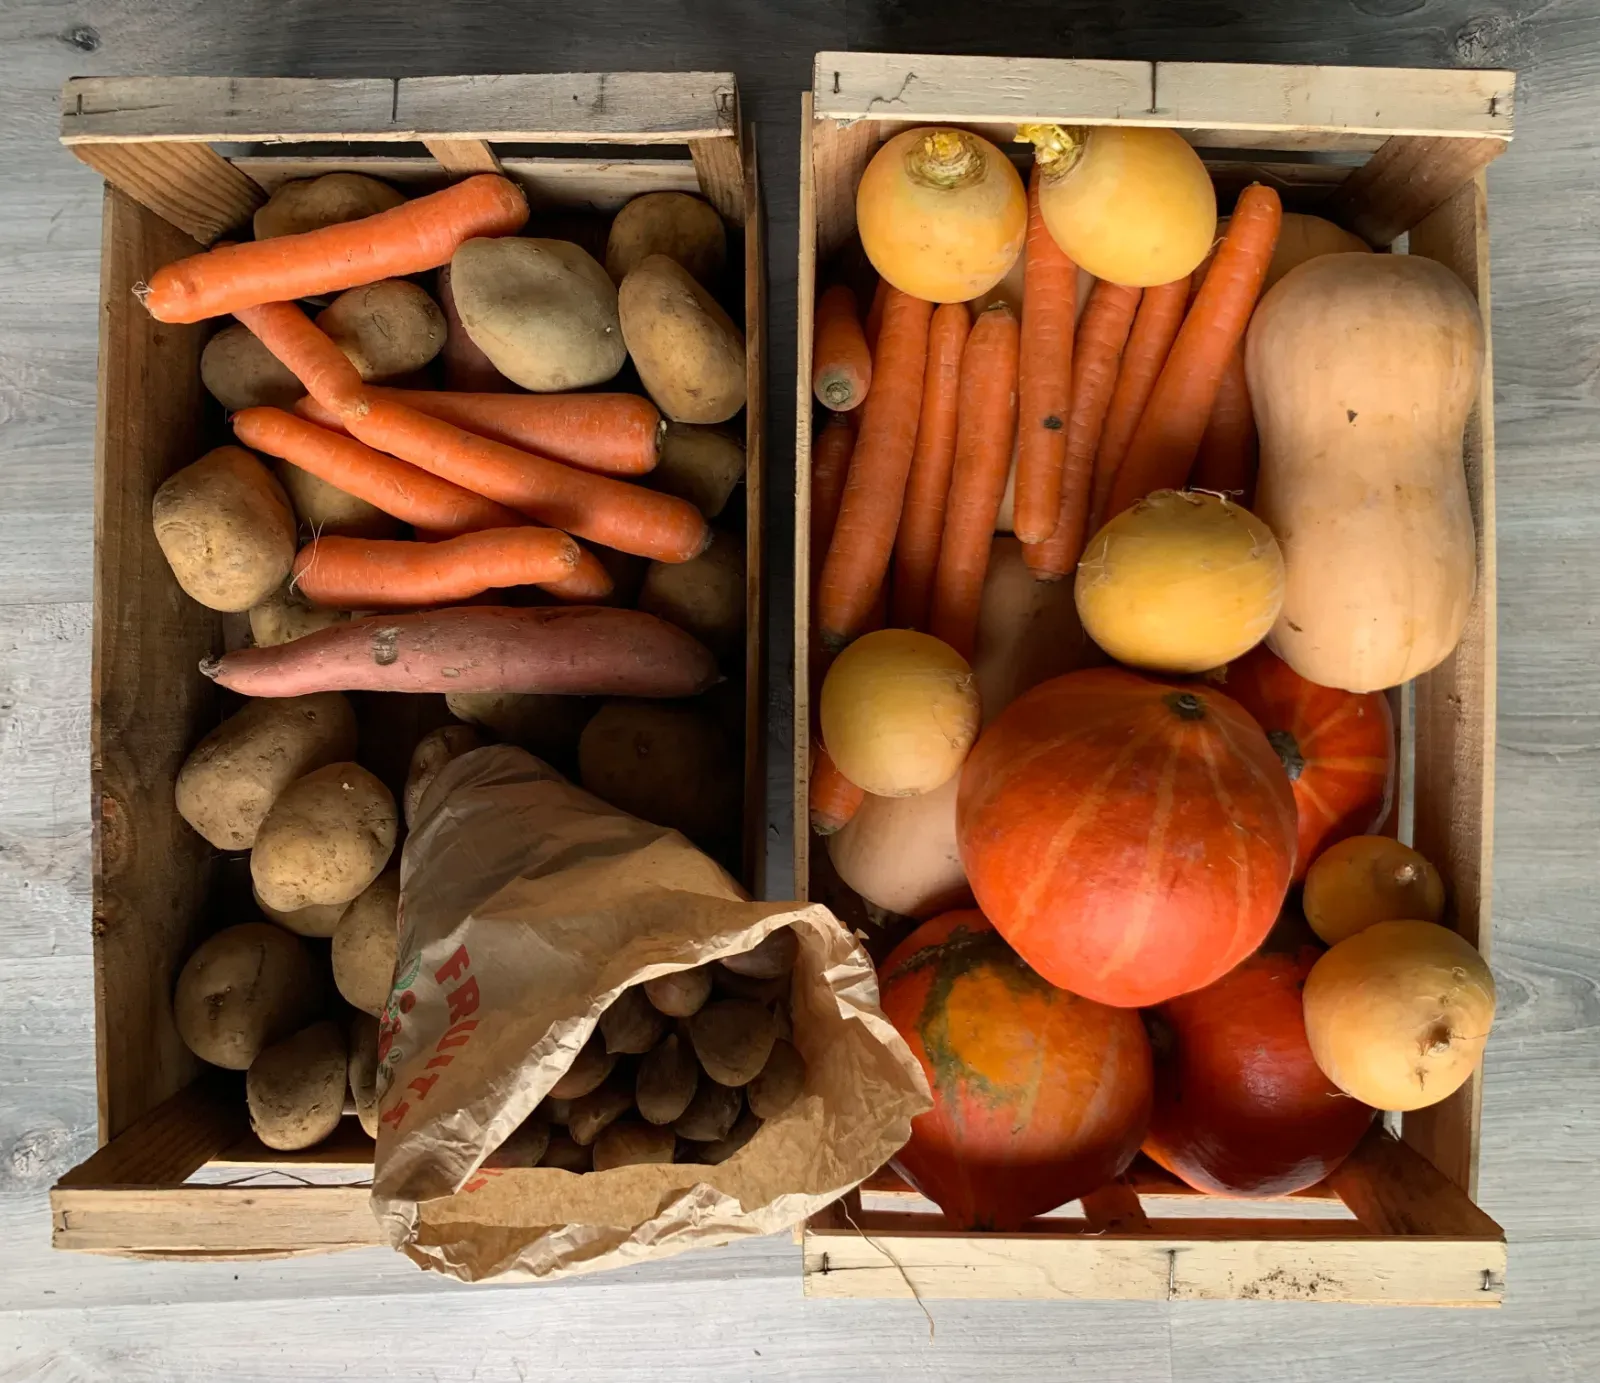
(753,217)
(190,185)
(720,170)
(461,157)
(1409,178)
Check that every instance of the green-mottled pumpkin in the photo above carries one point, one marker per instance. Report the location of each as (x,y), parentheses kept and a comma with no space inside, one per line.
(1039,1096)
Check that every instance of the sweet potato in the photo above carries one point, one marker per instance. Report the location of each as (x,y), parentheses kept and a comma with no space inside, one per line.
(574,650)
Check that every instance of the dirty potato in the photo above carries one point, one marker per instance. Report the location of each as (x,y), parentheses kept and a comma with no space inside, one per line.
(681,993)
(592,1112)
(666,1080)
(524,1146)
(589,1068)
(685,228)
(782,1081)
(688,352)
(386,328)
(711,1114)
(568,1156)
(311,203)
(295,1088)
(242,990)
(364,945)
(632,1025)
(700,464)
(240,372)
(627,1143)
(326,509)
(327,837)
(434,750)
(286,615)
(703,596)
(362,1035)
(733,1039)
(770,959)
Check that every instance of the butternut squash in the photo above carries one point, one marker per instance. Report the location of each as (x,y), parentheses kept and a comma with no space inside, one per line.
(1363,370)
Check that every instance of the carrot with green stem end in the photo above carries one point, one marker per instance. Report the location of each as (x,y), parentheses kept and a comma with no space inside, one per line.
(1226,461)
(874,320)
(830,464)
(869,513)
(1044,376)
(841,369)
(369,573)
(916,545)
(1102,335)
(308,353)
(420,234)
(834,798)
(1164,445)
(987,425)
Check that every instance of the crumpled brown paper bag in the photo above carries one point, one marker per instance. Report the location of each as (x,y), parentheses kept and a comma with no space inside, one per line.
(527,906)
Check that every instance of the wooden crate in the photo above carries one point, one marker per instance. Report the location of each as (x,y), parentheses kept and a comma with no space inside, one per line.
(1390,154)
(158,888)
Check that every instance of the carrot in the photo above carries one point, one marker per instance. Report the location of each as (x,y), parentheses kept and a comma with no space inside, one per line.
(830,463)
(841,370)
(369,573)
(1154,327)
(610,434)
(1044,376)
(869,513)
(1226,461)
(587,582)
(1163,448)
(874,322)
(306,351)
(1102,334)
(834,798)
(593,650)
(406,492)
(421,234)
(916,545)
(596,507)
(984,434)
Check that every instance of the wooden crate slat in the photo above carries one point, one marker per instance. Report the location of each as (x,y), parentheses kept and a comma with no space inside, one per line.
(188,185)
(169,1144)
(1392,1189)
(1114,1209)
(839,155)
(753,215)
(720,170)
(1406,180)
(461,157)
(214,1221)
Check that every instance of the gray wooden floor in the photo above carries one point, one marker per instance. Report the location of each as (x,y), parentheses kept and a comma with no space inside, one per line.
(739,1314)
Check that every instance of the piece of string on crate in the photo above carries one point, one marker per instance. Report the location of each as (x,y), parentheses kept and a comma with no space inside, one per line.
(899,1266)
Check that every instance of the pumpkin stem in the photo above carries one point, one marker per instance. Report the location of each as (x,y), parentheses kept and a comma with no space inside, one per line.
(1294,762)
(1056,148)
(1437,1039)
(946,159)
(1186,705)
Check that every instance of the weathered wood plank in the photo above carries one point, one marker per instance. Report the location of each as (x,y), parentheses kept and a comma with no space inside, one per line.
(1406,180)
(190,185)
(460,157)
(752,214)
(213,1221)
(168,1144)
(1392,1189)
(720,168)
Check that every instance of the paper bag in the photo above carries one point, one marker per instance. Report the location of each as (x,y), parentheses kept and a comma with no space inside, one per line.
(527,906)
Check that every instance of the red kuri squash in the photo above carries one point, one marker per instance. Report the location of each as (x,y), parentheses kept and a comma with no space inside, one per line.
(1242,1109)
(1337,746)
(1039,1096)
(1131,838)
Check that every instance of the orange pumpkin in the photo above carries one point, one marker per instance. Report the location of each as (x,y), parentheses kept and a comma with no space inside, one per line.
(1039,1096)
(1131,838)
(1337,747)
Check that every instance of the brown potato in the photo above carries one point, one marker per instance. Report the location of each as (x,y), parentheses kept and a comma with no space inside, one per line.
(704,595)
(589,1068)
(681,993)
(735,985)
(733,1039)
(525,1146)
(387,328)
(592,1112)
(711,1114)
(465,367)
(286,615)
(242,373)
(226,529)
(688,352)
(567,1155)
(628,1143)
(365,943)
(742,1132)
(326,509)
(295,1088)
(327,837)
(231,778)
(784,1022)
(546,726)
(666,1081)
(362,1036)
(242,990)
(318,920)
(771,959)
(700,464)
(632,1025)
(542,310)
(675,224)
(434,750)
(553,1111)
(311,203)
(782,1081)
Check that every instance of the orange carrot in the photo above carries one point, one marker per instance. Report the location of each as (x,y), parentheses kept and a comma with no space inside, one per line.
(586,583)
(1154,328)
(596,507)
(841,371)
(421,234)
(406,492)
(916,545)
(984,435)
(1226,461)
(834,798)
(830,464)
(306,351)
(874,322)
(371,573)
(1102,334)
(610,434)
(1163,448)
(1044,376)
(869,513)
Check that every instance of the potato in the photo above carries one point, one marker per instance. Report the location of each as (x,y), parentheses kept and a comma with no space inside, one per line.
(733,1039)
(675,224)
(589,1068)
(628,1143)
(567,1155)
(711,1114)
(668,764)
(286,615)
(769,959)
(320,919)
(434,750)
(365,943)
(465,367)
(681,993)
(699,464)
(311,203)
(666,1080)
(325,508)
(546,726)
(362,1037)
(688,352)
(782,1081)
(632,1025)
(226,529)
(295,1088)
(724,1148)
(763,992)
(327,837)
(242,373)
(704,595)
(242,990)
(592,1112)
(553,1111)
(543,311)
(231,778)
(387,328)
(524,1146)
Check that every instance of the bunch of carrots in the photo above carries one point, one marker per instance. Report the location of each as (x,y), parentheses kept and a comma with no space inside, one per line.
(1138,392)
(498,467)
